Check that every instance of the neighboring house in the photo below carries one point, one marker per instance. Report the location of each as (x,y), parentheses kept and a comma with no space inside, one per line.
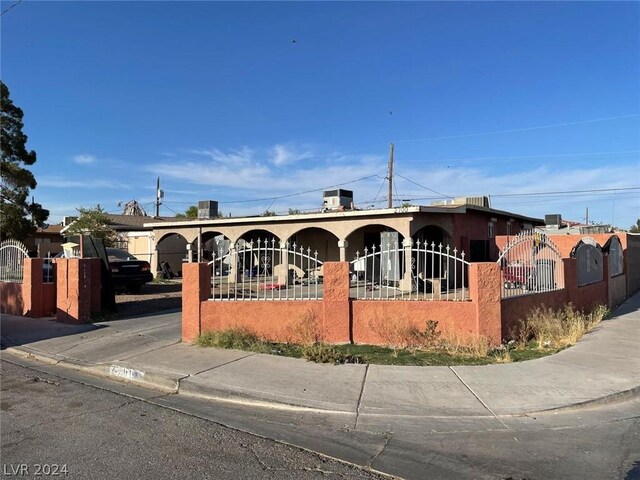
(467,224)
(45,241)
(133,235)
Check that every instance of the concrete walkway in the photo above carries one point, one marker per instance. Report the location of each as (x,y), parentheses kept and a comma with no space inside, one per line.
(604,365)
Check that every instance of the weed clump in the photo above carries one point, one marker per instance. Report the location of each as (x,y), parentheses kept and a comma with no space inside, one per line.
(324,353)
(238,338)
(548,328)
(401,333)
(305,330)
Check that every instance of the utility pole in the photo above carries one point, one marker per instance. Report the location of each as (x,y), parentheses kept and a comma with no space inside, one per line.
(390,178)
(159,197)
(587,217)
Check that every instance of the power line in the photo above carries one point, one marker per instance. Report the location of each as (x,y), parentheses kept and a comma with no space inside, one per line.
(559,194)
(515,157)
(565,192)
(6,10)
(513,130)
(266,199)
(422,186)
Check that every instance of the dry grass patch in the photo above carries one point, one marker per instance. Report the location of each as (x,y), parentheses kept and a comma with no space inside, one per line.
(305,330)
(560,328)
(402,333)
(465,345)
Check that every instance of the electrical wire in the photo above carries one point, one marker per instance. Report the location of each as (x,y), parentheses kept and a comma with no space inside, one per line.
(265,199)
(422,186)
(513,130)
(6,10)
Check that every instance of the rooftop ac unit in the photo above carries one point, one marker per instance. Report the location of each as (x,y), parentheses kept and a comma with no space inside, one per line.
(553,219)
(207,209)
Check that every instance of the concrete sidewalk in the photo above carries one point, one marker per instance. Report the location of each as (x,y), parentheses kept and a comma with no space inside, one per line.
(605,364)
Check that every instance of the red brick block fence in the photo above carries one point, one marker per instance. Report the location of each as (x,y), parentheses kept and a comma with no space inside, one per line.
(31,298)
(71,296)
(341,319)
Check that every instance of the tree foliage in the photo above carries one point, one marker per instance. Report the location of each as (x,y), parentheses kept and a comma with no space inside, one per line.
(94,222)
(191,212)
(635,228)
(18,216)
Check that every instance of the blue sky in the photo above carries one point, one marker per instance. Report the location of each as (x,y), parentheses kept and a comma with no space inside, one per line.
(243,102)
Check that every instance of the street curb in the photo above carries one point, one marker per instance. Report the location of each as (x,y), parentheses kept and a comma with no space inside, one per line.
(610,399)
(183,384)
(231,395)
(121,371)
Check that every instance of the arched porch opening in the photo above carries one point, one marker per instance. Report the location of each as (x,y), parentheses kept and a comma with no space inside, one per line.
(433,234)
(210,243)
(379,253)
(317,240)
(431,263)
(257,252)
(172,251)
(372,235)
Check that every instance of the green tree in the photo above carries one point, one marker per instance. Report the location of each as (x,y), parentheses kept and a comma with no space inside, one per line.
(94,222)
(18,216)
(635,228)
(191,212)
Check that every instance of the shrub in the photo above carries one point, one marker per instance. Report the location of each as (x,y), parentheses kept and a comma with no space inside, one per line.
(305,330)
(323,353)
(502,354)
(465,345)
(239,338)
(401,333)
(557,328)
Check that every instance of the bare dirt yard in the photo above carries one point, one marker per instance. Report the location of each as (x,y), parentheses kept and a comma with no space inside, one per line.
(152,298)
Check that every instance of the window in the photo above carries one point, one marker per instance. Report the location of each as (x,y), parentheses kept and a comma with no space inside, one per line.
(490,230)
(508,228)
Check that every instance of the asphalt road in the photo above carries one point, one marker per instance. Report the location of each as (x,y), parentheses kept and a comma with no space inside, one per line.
(55,427)
(116,430)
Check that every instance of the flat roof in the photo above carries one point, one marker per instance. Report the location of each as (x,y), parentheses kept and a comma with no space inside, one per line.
(399,211)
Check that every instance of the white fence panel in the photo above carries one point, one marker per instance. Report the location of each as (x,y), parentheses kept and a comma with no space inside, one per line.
(264,270)
(530,263)
(12,255)
(419,271)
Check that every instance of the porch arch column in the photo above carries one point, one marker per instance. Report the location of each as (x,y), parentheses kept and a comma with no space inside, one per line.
(283,272)
(342,245)
(234,270)
(407,277)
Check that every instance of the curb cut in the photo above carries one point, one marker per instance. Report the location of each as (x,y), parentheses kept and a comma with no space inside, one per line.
(610,399)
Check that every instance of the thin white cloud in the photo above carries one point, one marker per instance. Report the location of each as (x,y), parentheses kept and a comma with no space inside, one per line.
(84,159)
(244,156)
(253,174)
(281,155)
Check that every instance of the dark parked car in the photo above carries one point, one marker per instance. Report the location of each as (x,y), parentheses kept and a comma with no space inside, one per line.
(127,272)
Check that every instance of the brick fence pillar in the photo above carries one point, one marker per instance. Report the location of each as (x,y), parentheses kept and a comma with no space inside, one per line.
(570,267)
(196,288)
(336,323)
(485,284)
(73,289)
(32,288)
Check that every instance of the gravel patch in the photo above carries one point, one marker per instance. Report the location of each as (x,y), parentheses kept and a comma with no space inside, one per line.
(152,298)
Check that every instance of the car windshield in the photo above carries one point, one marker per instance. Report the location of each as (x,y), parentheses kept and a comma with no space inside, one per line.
(116,254)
